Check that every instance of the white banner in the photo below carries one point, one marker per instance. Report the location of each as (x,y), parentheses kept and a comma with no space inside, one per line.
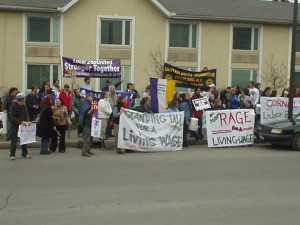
(151,132)
(96,127)
(3,123)
(230,127)
(201,103)
(276,109)
(27,134)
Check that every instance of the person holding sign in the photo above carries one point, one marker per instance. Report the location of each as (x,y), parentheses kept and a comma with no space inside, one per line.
(198,113)
(85,121)
(117,111)
(18,116)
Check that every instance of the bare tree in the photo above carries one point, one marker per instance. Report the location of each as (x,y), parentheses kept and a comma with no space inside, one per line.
(156,60)
(275,75)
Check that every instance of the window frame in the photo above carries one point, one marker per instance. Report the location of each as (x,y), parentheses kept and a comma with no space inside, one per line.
(51,28)
(253,39)
(123,20)
(251,78)
(51,78)
(190,34)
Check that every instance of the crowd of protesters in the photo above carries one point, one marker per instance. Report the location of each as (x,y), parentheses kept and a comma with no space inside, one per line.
(51,108)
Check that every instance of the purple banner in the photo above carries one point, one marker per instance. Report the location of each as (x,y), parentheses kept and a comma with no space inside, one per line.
(90,68)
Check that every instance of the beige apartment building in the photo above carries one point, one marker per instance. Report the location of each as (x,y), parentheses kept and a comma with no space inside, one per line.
(237,37)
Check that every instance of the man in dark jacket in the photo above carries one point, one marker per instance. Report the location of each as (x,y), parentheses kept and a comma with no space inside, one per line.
(32,103)
(18,116)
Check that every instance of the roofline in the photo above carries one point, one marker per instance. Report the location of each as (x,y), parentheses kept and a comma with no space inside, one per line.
(69,5)
(39,9)
(31,9)
(162,8)
(236,19)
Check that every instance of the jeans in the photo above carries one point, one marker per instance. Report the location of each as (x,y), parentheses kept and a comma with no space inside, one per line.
(45,144)
(86,140)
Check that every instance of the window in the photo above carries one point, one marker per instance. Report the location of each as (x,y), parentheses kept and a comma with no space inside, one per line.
(115,32)
(245,38)
(126,77)
(242,77)
(183,35)
(37,74)
(43,29)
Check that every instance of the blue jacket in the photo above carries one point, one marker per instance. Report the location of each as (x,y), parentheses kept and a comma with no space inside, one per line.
(187,111)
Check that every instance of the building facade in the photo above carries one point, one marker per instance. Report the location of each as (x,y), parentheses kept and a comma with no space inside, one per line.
(238,38)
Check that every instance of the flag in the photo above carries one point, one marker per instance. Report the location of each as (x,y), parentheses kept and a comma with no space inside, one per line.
(162,91)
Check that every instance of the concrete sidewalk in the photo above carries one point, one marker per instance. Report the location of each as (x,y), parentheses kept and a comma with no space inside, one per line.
(75,142)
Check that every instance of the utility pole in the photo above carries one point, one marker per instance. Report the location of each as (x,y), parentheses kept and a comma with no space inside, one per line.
(293,62)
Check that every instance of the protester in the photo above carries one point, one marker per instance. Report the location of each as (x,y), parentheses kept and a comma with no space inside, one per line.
(46,90)
(144,106)
(104,111)
(254,92)
(130,88)
(18,116)
(32,103)
(217,105)
(56,86)
(8,100)
(108,83)
(173,106)
(66,96)
(76,105)
(257,86)
(46,126)
(227,102)
(237,90)
(213,90)
(117,111)
(224,92)
(85,121)
(177,97)
(198,114)
(186,107)
(61,119)
(274,93)
(112,98)
(87,84)
(234,99)
(285,93)
(267,92)
(147,92)
(297,93)
(247,105)
(245,96)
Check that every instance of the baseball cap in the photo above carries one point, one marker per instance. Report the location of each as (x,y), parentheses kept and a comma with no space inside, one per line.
(212,85)
(67,86)
(20,96)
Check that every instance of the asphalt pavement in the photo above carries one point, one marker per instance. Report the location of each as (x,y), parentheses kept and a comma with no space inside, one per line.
(258,185)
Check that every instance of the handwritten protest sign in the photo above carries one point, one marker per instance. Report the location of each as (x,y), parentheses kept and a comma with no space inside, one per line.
(276,108)
(27,134)
(201,104)
(230,127)
(96,127)
(151,132)
(3,123)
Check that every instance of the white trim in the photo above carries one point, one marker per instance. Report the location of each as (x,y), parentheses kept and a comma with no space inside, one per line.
(162,8)
(260,47)
(199,45)
(132,44)
(23,66)
(61,48)
(289,56)
(68,6)
(167,40)
(98,24)
(229,77)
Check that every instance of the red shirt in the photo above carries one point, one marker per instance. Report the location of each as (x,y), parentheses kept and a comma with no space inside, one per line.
(66,97)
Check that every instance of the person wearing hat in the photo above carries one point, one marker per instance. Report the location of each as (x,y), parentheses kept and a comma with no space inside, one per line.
(66,96)
(85,122)
(108,83)
(18,116)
